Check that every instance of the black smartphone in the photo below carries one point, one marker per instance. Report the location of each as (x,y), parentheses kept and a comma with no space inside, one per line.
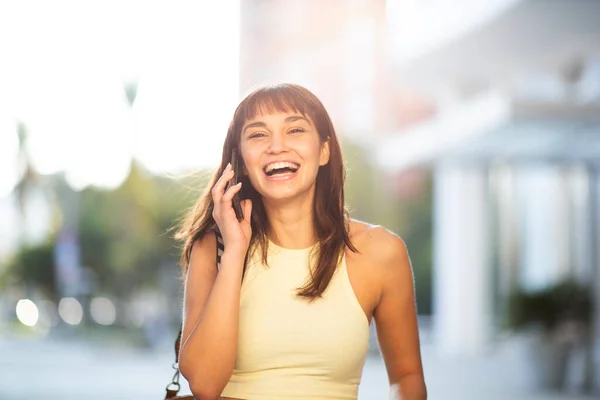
(236,201)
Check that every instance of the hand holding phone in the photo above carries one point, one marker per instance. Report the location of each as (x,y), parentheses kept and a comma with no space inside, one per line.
(235,202)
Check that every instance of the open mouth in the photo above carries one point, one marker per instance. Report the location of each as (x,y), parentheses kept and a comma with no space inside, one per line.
(281,169)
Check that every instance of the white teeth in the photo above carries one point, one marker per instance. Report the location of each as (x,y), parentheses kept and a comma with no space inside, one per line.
(278,165)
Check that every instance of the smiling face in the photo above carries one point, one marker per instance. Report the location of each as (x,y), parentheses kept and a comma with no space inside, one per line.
(282,153)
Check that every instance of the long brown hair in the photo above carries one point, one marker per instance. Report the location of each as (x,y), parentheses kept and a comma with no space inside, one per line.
(331,218)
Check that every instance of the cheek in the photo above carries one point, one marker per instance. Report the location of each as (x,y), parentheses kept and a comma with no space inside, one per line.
(312,153)
(251,161)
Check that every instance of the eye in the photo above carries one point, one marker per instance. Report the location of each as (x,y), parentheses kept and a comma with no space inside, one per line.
(296,130)
(254,135)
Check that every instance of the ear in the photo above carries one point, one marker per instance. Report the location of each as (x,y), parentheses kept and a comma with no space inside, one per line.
(324,157)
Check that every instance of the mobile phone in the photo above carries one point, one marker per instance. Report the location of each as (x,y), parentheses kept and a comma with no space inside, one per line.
(235,202)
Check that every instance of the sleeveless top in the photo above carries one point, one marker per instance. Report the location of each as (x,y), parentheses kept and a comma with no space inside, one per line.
(290,347)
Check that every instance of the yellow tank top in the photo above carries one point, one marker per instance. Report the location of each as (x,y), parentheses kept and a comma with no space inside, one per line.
(289,347)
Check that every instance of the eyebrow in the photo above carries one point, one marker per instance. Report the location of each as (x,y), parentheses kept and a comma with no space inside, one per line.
(257,124)
(294,118)
(260,124)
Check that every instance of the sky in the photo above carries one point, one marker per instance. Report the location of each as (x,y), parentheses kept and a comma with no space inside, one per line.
(63,68)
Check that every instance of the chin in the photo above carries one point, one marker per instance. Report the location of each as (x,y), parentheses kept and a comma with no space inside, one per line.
(283,193)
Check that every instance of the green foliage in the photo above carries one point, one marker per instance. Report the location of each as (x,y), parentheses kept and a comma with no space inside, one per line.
(565,301)
(359,181)
(417,232)
(124,234)
(370,194)
(34,265)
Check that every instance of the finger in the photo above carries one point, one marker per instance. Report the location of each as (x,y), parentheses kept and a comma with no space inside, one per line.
(229,193)
(247,207)
(219,188)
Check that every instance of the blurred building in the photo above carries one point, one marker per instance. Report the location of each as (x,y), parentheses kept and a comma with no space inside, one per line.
(515,143)
(334,48)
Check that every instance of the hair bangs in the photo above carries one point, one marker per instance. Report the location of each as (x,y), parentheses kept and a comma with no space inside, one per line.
(274,99)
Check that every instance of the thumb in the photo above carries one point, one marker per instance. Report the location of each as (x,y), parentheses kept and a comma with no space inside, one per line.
(247,207)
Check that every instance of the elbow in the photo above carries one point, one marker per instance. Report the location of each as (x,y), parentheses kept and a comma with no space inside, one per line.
(206,377)
(202,387)
(202,392)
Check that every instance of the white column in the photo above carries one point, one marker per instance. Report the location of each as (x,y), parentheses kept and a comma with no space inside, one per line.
(504,178)
(593,356)
(581,241)
(462,287)
(545,224)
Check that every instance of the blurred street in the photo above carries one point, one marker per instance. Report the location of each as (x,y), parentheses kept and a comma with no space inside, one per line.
(68,370)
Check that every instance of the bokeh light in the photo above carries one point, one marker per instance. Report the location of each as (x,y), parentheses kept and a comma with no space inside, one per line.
(27,312)
(103,311)
(48,314)
(70,310)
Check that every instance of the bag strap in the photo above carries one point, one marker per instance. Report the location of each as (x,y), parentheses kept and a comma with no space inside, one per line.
(174,386)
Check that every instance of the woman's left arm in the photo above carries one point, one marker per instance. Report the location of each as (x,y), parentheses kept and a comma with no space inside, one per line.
(396,318)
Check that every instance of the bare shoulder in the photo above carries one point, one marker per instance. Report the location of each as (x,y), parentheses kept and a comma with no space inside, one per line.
(378,244)
(203,250)
(381,264)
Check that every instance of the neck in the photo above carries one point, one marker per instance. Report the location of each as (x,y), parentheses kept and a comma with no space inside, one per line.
(291,223)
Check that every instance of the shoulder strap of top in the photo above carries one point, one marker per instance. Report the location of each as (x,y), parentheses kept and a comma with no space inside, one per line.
(220,248)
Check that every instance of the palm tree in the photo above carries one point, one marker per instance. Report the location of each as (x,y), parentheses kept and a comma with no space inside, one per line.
(131,89)
(29,179)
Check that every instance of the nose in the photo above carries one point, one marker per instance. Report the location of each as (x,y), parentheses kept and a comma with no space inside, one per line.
(277,143)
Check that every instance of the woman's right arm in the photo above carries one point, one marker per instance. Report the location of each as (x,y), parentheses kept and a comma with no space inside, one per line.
(211,314)
(212,300)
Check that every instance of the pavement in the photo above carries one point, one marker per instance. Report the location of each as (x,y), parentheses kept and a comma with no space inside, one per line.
(53,369)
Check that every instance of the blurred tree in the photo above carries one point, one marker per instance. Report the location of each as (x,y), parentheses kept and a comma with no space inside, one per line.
(33,265)
(360,187)
(373,195)
(131,89)
(417,232)
(29,176)
(124,233)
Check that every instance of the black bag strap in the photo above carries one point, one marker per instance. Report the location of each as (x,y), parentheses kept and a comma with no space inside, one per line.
(174,386)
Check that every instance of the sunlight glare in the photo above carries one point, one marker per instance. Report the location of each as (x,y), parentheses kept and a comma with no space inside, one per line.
(27,312)
(9,150)
(68,89)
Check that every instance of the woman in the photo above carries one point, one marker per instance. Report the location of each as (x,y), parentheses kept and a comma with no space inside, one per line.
(287,314)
